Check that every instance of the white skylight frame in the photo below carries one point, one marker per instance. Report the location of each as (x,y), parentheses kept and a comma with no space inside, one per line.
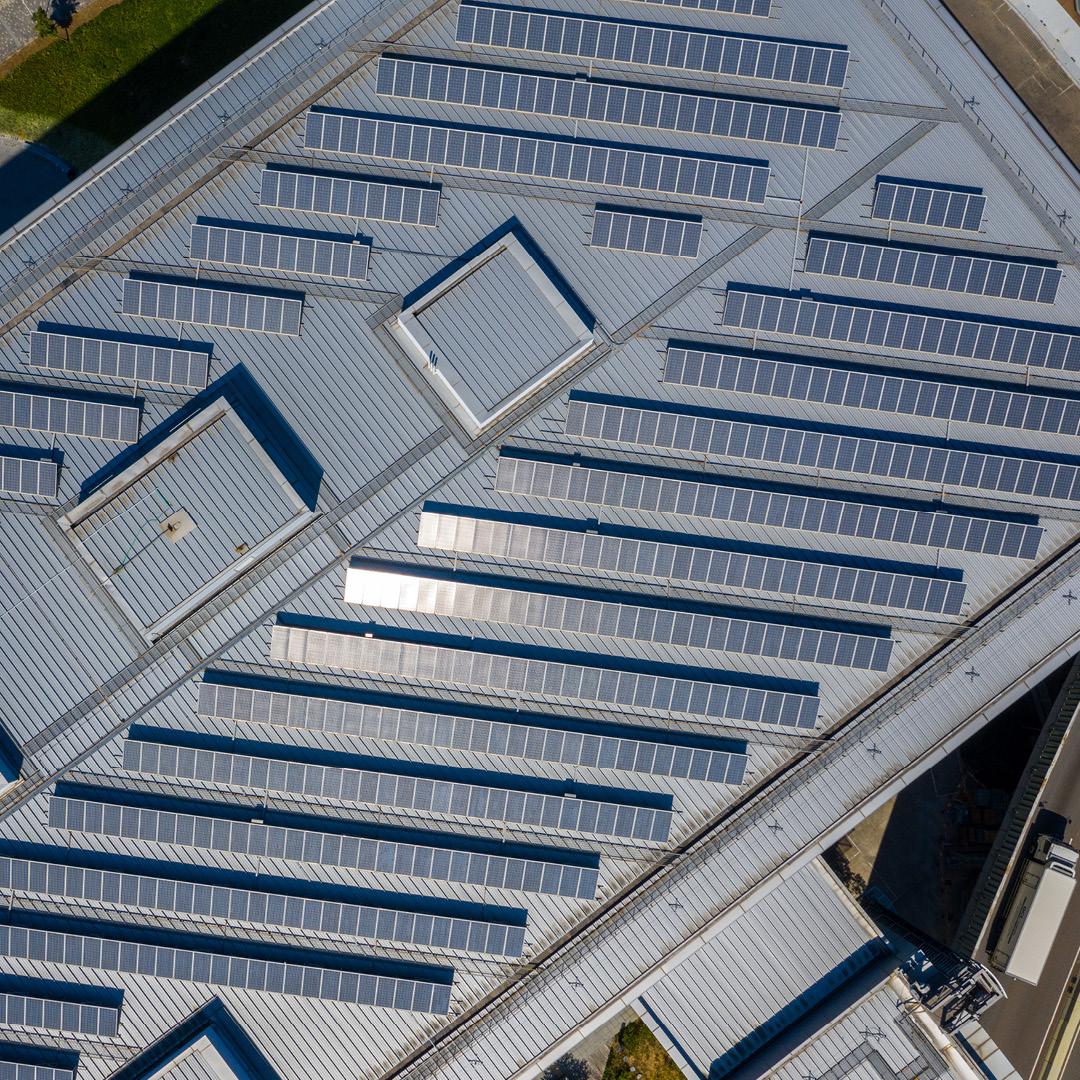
(424,352)
(219,410)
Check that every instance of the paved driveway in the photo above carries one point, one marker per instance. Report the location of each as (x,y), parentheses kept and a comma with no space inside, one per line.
(27,178)
(16,29)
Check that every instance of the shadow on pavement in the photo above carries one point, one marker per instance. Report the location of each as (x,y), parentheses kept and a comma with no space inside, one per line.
(27,178)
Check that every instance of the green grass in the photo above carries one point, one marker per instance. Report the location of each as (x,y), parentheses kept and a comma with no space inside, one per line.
(636,1045)
(125,67)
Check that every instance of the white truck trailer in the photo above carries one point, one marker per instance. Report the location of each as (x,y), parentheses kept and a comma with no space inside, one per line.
(1035,908)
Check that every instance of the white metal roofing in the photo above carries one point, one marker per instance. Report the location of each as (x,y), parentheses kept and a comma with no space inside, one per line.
(919,103)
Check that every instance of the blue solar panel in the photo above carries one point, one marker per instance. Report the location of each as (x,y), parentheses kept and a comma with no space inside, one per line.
(57,415)
(212,305)
(919,202)
(744,502)
(116,358)
(725,116)
(939,333)
(549,156)
(348,196)
(223,969)
(400,790)
(732,567)
(20,1070)
(323,848)
(499,671)
(932,268)
(594,38)
(514,739)
(796,380)
(761,8)
(645,233)
(29,476)
(298,253)
(845,450)
(267,908)
(55,1014)
(754,634)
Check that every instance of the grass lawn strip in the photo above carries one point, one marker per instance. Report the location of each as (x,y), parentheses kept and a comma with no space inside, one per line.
(80,98)
(636,1046)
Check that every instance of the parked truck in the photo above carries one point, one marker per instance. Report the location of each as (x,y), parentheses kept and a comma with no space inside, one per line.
(1035,907)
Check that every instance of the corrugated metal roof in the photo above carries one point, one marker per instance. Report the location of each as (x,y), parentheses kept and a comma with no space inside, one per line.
(357,428)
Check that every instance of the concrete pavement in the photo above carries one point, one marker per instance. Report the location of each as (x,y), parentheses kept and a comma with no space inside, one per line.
(28,176)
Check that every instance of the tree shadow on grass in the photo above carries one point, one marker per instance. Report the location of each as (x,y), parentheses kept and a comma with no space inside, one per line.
(165,77)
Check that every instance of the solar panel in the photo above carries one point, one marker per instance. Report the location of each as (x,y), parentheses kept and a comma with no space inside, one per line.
(29,476)
(347,196)
(398,790)
(718,700)
(514,739)
(25,1010)
(918,202)
(907,395)
(843,450)
(731,567)
(647,234)
(723,115)
(246,245)
(593,38)
(20,1070)
(213,305)
(929,268)
(266,908)
(754,635)
(549,156)
(119,359)
(224,969)
(323,848)
(747,503)
(724,7)
(939,333)
(35,411)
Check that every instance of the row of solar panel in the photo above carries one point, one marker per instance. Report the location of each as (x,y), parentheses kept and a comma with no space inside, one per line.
(23,1010)
(20,1070)
(344,196)
(267,908)
(593,38)
(446,731)
(246,245)
(724,116)
(33,411)
(495,671)
(755,635)
(212,306)
(844,450)
(684,562)
(649,234)
(794,380)
(117,359)
(918,203)
(947,271)
(29,476)
(323,848)
(218,969)
(547,156)
(724,7)
(399,791)
(829,515)
(940,334)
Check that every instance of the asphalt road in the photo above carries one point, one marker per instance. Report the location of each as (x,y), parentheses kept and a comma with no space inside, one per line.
(1020,1024)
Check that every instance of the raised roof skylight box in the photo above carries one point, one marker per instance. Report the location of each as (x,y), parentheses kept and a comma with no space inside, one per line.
(205,501)
(494,330)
